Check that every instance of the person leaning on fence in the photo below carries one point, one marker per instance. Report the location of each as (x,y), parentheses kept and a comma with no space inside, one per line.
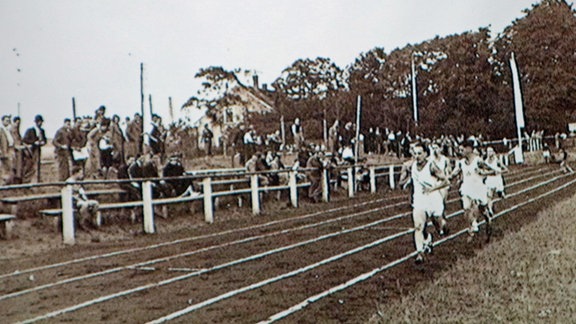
(174,168)
(257,164)
(132,191)
(87,208)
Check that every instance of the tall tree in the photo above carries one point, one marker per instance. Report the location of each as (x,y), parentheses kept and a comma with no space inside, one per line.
(544,43)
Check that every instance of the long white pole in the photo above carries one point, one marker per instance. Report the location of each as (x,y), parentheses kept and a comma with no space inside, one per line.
(358,113)
(414,92)
(518,108)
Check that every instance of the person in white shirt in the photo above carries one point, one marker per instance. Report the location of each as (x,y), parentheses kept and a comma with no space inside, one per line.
(495,183)
(443,163)
(473,189)
(427,202)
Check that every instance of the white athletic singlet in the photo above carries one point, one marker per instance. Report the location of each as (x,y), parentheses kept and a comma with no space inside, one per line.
(472,181)
(432,202)
(495,181)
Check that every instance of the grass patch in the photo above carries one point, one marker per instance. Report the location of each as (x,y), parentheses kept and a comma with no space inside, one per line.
(528,276)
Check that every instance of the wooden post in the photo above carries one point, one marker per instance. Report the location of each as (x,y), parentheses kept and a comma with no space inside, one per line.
(144,120)
(147,207)
(283,132)
(391,176)
(293,188)
(255,193)
(357,143)
(372,179)
(208,206)
(74,108)
(150,105)
(325,186)
(171,109)
(351,182)
(67,215)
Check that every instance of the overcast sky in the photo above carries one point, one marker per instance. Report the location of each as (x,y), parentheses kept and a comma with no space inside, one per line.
(53,50)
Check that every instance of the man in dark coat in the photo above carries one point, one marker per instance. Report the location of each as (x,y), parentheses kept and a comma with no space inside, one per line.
(34,138)
(62,144)
(174,168)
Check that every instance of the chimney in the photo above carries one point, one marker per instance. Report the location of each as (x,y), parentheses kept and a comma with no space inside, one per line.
(255,79)
(264,87)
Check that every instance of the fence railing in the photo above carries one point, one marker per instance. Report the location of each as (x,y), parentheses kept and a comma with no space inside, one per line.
(212,179)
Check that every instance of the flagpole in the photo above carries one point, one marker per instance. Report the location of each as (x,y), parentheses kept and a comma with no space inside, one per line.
(414,92)
(518,108)
(358,112)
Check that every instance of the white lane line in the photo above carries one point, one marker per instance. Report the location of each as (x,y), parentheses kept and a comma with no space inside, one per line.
(237,230)
(163,244)
(209,248)
(370,274)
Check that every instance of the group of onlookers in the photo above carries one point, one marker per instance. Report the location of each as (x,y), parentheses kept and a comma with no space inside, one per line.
(20,155)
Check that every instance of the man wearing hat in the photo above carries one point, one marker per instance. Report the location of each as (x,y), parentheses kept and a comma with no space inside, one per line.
(6,151)
(34,138)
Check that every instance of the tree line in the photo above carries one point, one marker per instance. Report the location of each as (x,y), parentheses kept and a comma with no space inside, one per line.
(464,82)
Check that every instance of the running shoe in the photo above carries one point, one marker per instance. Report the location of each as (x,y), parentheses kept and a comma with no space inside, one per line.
(428,244)
(419,258)
(474,227)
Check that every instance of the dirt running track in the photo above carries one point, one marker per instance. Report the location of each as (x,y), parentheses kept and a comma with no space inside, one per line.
(250,268)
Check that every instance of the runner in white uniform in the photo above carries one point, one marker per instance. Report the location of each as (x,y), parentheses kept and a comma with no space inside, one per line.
(427,200)
(495,183)
(473,189)
(443,163)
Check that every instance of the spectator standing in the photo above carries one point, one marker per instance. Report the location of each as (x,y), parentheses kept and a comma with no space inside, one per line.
(207,136)
(117,138)
(157,137)
(62,144)
(333,135)
(34,138)
(297,133)
(249,142)
(78,140)
(93,148)
(315,175)
(18,150)
(99,114)
(6,151)
(134,136)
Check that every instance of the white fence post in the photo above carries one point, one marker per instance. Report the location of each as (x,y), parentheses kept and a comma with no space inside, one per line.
(372,179)
(208,207)
(255,193)
(293,188)
(325,186)
(350,182)
(147,207)
(67,215)
(391,176)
